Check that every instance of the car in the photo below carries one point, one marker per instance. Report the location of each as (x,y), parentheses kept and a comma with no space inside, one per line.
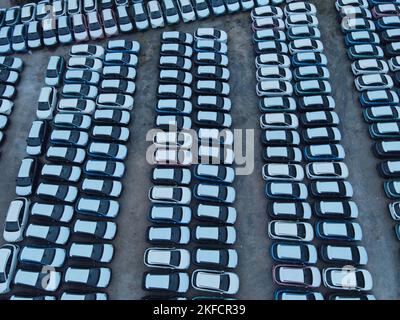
(214,173)
(350,24)
(139,16)
(155,14)
(312,87)
(164,122)
(392,189)
(386,149)
(327,171)
(98,252)
(105,230)
(132,47)
(386,9)
(59,8)
(76,106)
(110,133)
(16,220)
(316,103)
(28,12)
(6,107)
(85,63)
(294,253)
(389,169)
(112,116)
(115,101)
(5,40)
(212,87)
(381,114)
(381,130)
(118,72)
(269,35)
(72,121)
(8,264)
(212,34)
(109,22)
(64,30)
(355,12)
(301,19)
(123,19)
(298,276)
(331,189)
(83,296)
(171,214)
(379,97)
(347,279)
(52,212)
(95,27)
(36,137)
(388,22)
(268,47)
(222,235)
(49,27)
(186,10)
(394,64)
(175,76)
(167,258)
(104,168)
(58,235)
(300,7)
(175,91)
(112,151)
(280,154)
(211,58)
(47,103)
(73,138)
(337,231)
(294,295)
(214,193)
(339,4)
(212,135)
(202,9)
(344,255)
(216,154)
(215,258)
(7,91)
(365,51)
(266,11)
(44,256)
(80,27)
(268,23)
(274,88)
(117,86)
(91,277)
(279,120)
(282,172)
(12,63)
(213,119)
(104,208)
(47,281)
(220,282)
(336,209)
(290,231)
(321,135)
(172,282)
(319,118)
(280,137)
(54,71)
(58,193)
(79,91)
(74,7)
(311,73)
(272,59)
(89,6)
(178,235)
(286,191)
(176,49)
(390,35)
(216,214)
(171,12)
(177,37)
(3,122)
(19,38)
(174,106)
(9,77)
(27,177)
(170,195)
(273,73)
(63,173)
(175,62)
(12,16)
(369,66)
(217,7)
(121,58)
(289,210)
(171,176)
(213,103)
(361,37)
(373,82)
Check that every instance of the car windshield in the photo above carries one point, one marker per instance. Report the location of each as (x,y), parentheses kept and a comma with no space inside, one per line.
(224,284)
(4,41)
(177,194)
(12,226)
(94,26)
(104,206)
(94,275)
(2,277)
(101,228)
(97,252)
(109,23)
(24,182)
(175,258)
(61,192)
(48,256)
(79,28)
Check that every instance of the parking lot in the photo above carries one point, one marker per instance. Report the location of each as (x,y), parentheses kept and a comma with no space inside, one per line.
(253,243)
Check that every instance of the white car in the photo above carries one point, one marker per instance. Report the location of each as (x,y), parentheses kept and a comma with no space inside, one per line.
(173,140)
(64,30)
(97,252)
(49,28)
(327,171)
(201,8)
(109,23)
(222,235)
(170,195)
(221,282)
(52,234)
(92,277)
(186,10)
(63,193)
(282,171)
(114,101)
(76,106)
(95,27)
(79,27)
(103,208)
(35,280)
(6,107)
(12,63)
(218,214)
(83,296)
(107,150)
(140,16)
(155,14)
(63,173)
(124,21)
(26,178)
(274,88)
(178,235)
(373,82)
(369,66)
(53,212)
(167,258)
(16,220)
(174,91)
(171,12)
(65,154)
(47,103)
(216,155)
(128,46)
(347,279)
(85,63)
(8,265)
(105,230)
(291,231)
(45,256)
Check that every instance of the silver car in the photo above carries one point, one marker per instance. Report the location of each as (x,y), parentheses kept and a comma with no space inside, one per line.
(169,235)
(52,234)
(220,235)
(107,188)
(91,277)
(53,212)
(170,195)
(291,231)
(103,208)
(105,230)
(167,258)
(221,282)
(8,265)
(97,252)
(16,220)
(34,280)
(45,256)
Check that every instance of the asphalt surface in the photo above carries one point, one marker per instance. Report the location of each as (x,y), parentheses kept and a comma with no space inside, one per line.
(254,262)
